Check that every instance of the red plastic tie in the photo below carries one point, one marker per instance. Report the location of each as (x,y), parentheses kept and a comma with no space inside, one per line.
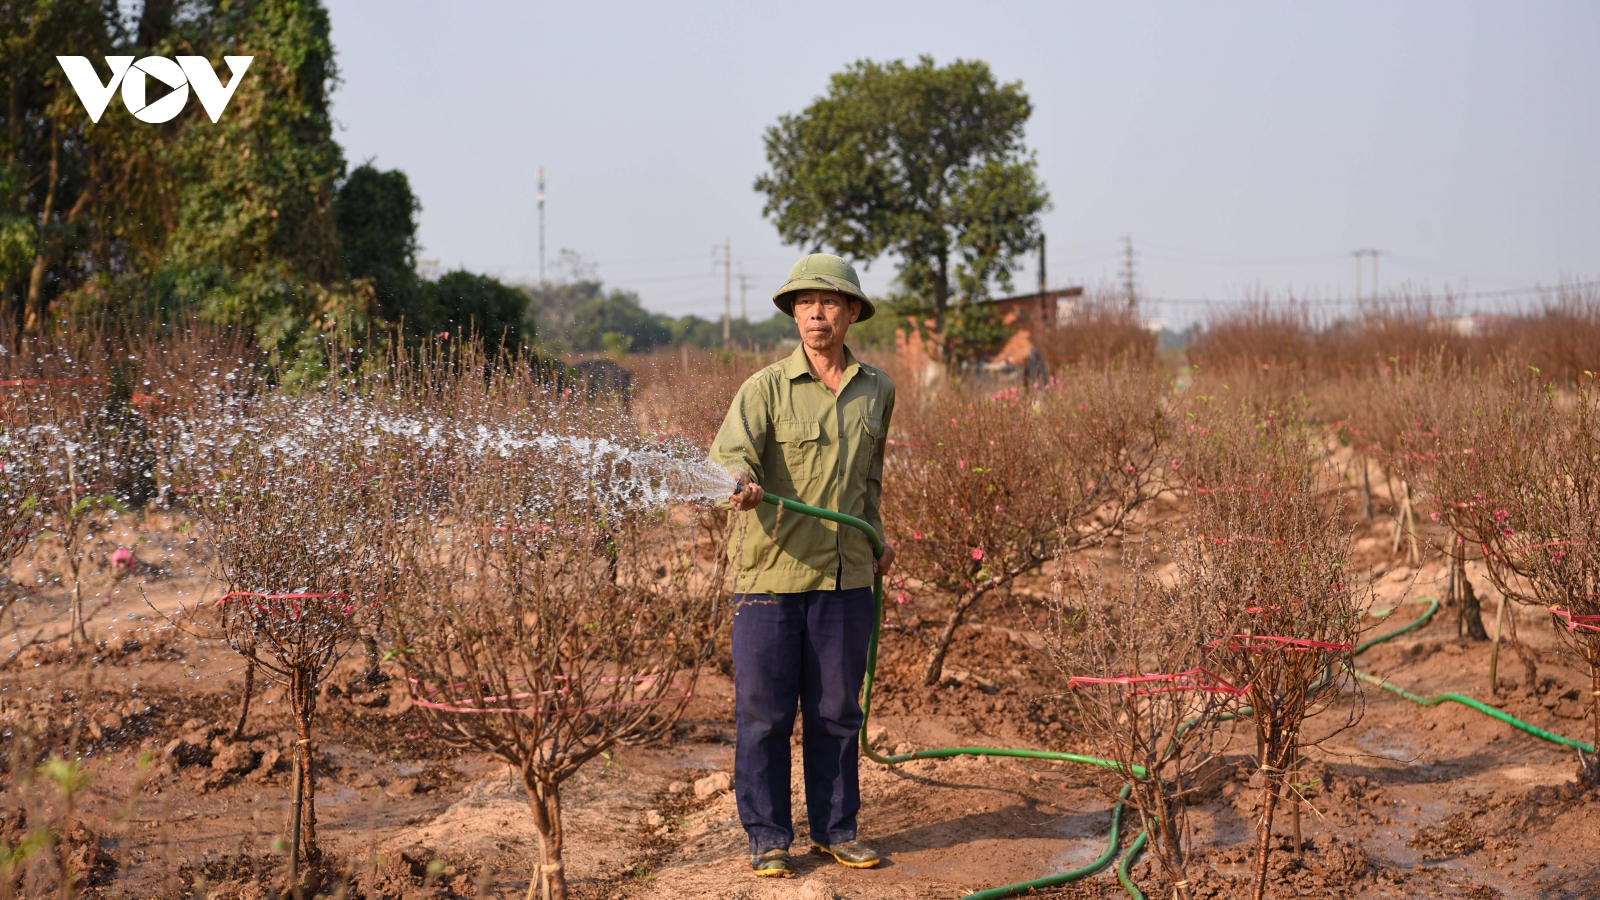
(1246,642)
(1178,681)
(523,711)
(1526,547)
(1575,621)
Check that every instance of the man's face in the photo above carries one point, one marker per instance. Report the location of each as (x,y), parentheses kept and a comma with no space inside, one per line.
(824,317)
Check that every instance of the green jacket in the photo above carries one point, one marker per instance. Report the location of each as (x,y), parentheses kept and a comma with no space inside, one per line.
(797,440)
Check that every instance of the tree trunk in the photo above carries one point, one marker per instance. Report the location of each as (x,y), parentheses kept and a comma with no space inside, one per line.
(78,630)
(1529,656)
(291,886)
(1177,864)
(1494,648)
(305,705)
(941,298)
(308,772)
(1411,527)
(33,316)
(1294,770)
(545,799)
(244,705)
(1450,589)
(1591,763)
(1269,806)
(934,667)
(373,675)
(14,109)
(1366,488)
(1470,613)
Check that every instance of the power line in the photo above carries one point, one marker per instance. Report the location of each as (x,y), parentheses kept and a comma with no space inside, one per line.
(647,260)
(1470,295)
(701,276)
(1236,262)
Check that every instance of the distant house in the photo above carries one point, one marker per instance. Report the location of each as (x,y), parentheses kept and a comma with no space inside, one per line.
(1019,358)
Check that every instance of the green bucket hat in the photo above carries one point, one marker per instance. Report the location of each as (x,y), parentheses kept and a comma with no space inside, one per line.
(822,272)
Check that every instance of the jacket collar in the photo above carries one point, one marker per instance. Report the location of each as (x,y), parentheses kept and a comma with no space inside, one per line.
(797,365)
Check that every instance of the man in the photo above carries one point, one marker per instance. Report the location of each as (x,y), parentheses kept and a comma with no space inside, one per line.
(810,428)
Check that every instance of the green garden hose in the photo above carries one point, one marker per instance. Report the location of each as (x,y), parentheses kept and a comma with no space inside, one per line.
(1138,844)
(1099,863)
(1513,721)
(1123,875)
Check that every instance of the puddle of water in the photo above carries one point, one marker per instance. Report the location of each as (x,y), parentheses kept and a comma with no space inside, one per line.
(339,796)
(704,756)
(1077,852)
(1536,775)
(1382,741)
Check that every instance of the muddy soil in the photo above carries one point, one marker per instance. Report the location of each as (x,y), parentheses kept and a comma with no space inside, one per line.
(1409,802)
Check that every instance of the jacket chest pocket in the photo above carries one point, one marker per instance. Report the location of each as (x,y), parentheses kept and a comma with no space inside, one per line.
(871,440)
(801,445)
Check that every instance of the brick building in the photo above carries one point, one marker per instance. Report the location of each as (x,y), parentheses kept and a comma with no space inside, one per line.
(1019,358)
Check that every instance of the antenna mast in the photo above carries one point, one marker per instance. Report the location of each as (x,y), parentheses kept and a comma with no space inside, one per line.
(541,224)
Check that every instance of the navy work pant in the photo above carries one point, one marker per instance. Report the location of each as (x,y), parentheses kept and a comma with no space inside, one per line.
(807,649)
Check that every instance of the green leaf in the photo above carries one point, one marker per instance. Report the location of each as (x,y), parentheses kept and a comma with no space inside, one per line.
(69,776)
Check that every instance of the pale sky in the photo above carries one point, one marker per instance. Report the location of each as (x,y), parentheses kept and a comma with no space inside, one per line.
(1245,147)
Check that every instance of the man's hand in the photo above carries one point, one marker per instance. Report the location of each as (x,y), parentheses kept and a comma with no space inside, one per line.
(880,566)
(747,495)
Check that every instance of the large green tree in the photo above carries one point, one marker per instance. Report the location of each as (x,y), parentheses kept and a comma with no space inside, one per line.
(232,220)
(923,162)
(461,300)
(580,315)
(50,159)
(256,237)
(377,217)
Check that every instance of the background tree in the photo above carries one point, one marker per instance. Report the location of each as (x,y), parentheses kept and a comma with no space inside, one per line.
(617,319)
(230,219)
(576,313)
(249,221)
(50,159)
(460,300)
(256,240)
(376,213)
(923,162)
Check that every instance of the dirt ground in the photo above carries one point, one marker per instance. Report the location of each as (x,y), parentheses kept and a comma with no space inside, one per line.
(1410,802)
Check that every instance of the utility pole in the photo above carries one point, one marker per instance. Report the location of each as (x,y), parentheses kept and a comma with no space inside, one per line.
(541,224)
(1374,253)
(1129,274)
(744,287)
(727,290)
(1041,269)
